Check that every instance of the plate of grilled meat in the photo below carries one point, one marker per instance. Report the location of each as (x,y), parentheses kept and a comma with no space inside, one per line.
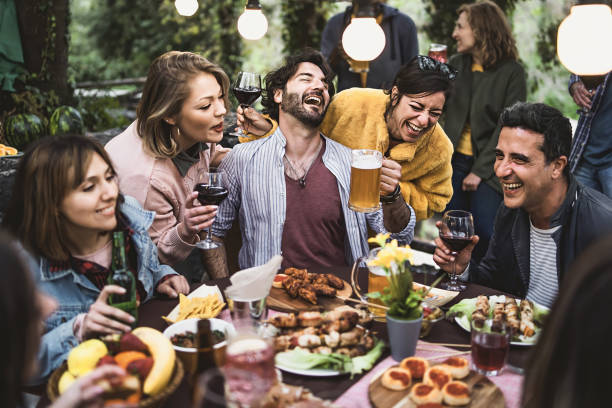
(298,289)
(524,317)
(303,339)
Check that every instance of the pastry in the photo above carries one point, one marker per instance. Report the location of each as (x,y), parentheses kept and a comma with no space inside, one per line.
(423,394)
(396,379)
(437,376)
(457,366)
(456,393)
(416,365)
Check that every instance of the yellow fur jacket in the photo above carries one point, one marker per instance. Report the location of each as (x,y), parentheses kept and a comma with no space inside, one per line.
(356,119)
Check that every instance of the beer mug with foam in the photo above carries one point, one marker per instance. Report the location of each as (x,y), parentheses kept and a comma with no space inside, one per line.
(365,180)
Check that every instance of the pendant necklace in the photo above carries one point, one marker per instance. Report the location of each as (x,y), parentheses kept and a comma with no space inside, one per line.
(301,180)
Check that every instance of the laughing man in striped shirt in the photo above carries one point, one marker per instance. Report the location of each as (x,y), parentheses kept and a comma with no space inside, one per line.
(290,190)
(547,217)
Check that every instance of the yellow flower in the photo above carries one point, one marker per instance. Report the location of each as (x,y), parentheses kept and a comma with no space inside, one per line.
(390,253)
(380,239)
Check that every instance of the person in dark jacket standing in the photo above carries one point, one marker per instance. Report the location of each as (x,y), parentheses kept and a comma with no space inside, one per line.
(489,79)
(547,217)
(401,46)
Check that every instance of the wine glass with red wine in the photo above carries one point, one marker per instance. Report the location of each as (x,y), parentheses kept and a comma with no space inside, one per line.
(211,191)
(456,231)
(246,89)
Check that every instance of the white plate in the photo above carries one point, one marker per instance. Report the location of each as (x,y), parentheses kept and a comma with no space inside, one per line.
(192,326)
(313,372)
(464,323)
(200,292)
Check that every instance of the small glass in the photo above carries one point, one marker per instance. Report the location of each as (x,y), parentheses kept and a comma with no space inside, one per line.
(247,312)
(211,191)
(438,52)
(490,346)
(249,369)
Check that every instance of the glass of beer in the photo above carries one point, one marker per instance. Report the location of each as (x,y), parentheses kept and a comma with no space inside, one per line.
(365,180)
(377,281)
(438,52)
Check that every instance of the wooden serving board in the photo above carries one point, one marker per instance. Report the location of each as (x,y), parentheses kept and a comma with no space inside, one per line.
(483,392)
(279,299)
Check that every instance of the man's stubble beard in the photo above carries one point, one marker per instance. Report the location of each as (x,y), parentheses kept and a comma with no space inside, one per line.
(292,105)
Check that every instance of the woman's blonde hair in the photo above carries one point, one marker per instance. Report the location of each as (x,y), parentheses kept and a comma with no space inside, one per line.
(164,93)
(492,33)
(47,173)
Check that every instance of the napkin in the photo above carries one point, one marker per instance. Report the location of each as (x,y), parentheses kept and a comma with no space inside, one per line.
(254,283)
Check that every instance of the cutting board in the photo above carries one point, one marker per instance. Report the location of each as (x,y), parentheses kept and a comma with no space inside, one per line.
(484,394)
(279,299)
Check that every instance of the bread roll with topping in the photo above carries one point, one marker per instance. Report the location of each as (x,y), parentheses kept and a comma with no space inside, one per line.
(396,379)
(424,394)
(437,376)
(457,366)
(456,393)
(416,365)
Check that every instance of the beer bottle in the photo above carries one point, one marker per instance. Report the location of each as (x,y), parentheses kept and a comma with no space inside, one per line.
(205,363)
(123,277)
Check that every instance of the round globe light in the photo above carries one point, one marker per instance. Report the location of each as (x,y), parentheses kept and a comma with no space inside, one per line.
(186,7)
(363,39)
(252,24)
(583,40)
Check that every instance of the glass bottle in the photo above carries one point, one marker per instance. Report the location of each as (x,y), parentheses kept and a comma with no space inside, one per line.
(123,277)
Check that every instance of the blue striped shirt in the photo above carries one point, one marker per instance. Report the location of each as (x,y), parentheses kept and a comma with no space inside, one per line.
(257,194)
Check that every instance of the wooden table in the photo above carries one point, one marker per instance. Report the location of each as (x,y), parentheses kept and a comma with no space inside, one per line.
(332,387)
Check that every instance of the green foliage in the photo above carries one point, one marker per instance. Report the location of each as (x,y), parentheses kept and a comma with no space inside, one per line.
(65,120)
(22,129)
(132,34)
(101,113)
(303,23)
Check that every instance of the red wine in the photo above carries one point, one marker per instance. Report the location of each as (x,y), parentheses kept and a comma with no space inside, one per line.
(489,352)
(210,195)
(246,96)
(454,242)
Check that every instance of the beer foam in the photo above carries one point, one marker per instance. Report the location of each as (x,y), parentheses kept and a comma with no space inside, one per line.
(366,162)
(246,345)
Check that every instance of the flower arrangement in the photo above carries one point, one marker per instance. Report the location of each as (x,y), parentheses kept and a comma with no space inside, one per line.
(403,300)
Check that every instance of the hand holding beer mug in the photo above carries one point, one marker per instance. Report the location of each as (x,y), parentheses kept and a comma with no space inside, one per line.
(365,180)
(438,52)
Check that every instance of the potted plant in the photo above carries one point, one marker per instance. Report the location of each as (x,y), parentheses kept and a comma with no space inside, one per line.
(405,311)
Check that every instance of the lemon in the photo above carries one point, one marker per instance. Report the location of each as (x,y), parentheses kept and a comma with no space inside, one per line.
(65,381)
(84,357)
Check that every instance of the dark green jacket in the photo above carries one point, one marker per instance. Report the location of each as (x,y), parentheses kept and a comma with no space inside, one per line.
(480,97)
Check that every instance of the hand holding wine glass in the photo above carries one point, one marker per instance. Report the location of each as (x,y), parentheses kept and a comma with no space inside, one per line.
(211,191)
(246,89)
(455,244)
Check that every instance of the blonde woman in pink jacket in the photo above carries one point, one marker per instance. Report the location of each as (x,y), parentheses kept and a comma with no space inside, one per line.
(158,157)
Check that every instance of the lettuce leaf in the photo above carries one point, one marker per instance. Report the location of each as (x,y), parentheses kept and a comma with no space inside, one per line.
(301,359)
(366,362)
(464,308)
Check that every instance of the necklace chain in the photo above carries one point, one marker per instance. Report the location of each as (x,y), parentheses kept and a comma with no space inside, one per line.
(296,175)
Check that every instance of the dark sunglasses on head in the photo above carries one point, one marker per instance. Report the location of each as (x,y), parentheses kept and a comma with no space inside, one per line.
(429,64)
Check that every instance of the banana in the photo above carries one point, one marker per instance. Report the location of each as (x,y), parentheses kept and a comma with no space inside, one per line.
(163,355)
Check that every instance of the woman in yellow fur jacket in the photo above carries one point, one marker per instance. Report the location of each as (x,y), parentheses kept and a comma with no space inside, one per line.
(402,123)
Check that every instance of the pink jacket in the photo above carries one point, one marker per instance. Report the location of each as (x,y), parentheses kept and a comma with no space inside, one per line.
(158,186)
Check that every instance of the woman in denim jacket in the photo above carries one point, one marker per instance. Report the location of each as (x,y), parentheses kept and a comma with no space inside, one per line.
(64,208)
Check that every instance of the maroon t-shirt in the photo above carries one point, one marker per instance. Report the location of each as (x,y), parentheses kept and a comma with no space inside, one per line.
(314,233)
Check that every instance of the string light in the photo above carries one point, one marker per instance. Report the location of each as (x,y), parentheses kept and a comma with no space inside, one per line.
(252,24)
(186,7)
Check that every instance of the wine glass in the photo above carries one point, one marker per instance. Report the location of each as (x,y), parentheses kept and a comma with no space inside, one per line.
(246,89)
(211,191)
(456,231)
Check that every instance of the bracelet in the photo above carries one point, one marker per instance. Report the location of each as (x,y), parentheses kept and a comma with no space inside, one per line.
(391,198)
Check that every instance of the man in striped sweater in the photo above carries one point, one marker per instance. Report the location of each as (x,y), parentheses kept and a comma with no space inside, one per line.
(547,217)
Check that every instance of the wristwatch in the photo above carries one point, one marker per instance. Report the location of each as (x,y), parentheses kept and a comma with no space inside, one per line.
(391,198)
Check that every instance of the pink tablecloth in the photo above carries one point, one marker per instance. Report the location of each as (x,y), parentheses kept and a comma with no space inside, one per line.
(357,396)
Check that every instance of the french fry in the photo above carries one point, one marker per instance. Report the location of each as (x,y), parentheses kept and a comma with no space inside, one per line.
(202,308)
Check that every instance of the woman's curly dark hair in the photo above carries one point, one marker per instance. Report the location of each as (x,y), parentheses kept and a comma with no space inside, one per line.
(278,79)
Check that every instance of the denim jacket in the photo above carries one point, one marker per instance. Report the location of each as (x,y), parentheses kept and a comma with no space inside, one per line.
(75,293)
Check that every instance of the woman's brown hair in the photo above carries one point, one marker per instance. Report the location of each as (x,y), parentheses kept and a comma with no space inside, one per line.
(164,93)
(492,34)
(20,319)
(48,171)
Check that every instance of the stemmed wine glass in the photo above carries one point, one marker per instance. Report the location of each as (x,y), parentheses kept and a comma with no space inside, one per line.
(246,89)
(456,231)
(211,191)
